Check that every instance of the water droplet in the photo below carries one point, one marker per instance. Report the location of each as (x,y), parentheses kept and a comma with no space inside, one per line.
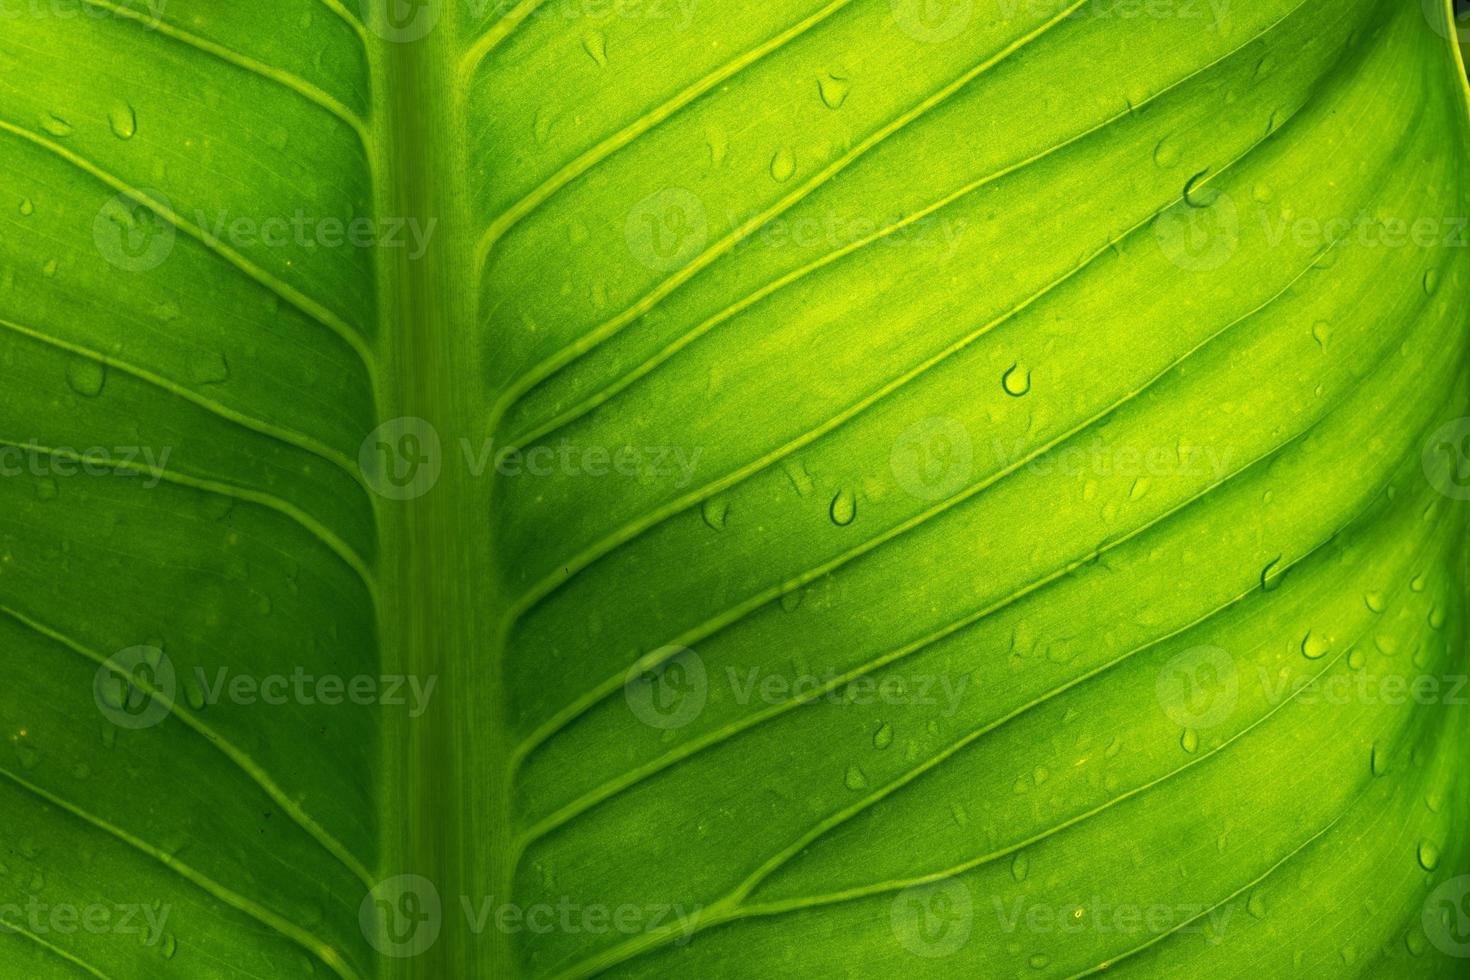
(124,121)
(49,269)
(1020,866)
(1379,760)
(1016,381)
(26,207)
(168,947)
(208,368)
(1418,582)
(835,88)
(1189,741)
(1374,601)
(1166,154)
(791,598)
(1437,618)
(783,165)
(1322,333)
(883,737)
(55,125)
(1431,281)
(1256,906)
(595,44)
(715,513)
(855,779)
(1357,659)
(1315,645)
(86,377)
(844,508)
(1040,961)
(1261,192)
(1428,856)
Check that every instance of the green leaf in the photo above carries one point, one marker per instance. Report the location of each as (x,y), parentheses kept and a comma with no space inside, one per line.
(656,488)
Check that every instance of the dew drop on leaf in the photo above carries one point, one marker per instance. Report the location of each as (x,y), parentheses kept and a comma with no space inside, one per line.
(855,779)
(1374,601)
(1431,281)
(55,125)
(715,513)
(1016,381)
(834,88)
(783,165)
(1428,856)
(86,377)
(1166,154)
(1020,866)
(595,44)
(883,737)
(123,120)
(1315,645)
(26,207)
(1189,741)
(1379,761)
(844,508)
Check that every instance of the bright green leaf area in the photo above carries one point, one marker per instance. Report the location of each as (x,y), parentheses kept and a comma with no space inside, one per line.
(954,489)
